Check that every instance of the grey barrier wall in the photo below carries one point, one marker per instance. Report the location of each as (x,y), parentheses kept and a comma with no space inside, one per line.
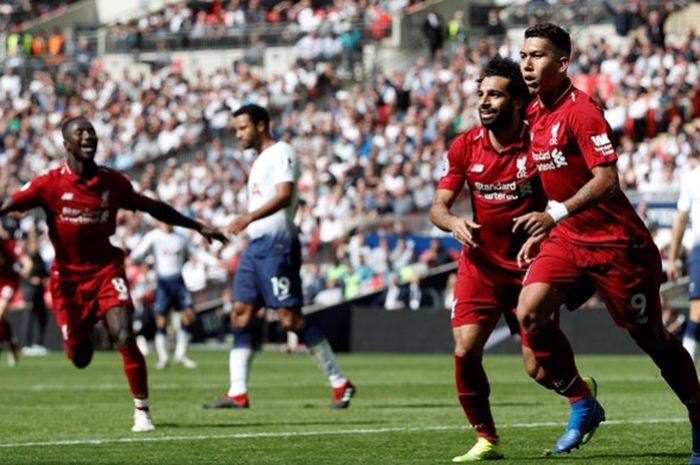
(52,338)
(373,329)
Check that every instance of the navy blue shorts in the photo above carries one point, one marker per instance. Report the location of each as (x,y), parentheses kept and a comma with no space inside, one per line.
(171,293)
(268,274)
(694,273)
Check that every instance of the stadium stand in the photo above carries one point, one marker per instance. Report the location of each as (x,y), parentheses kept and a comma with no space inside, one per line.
(371,150)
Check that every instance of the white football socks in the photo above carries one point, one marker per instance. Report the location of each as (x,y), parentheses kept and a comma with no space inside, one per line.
(326,361)
(239,361)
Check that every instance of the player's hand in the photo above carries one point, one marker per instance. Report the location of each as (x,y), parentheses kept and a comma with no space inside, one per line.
(211,234)
(462,231)
(534,223)
(672,270)
(529,249)
(239,223)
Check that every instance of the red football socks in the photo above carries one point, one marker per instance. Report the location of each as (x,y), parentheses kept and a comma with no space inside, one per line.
(553,352)
(135,370)
(473,391)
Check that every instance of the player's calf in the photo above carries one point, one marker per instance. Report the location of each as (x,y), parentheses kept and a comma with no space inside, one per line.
(81,354)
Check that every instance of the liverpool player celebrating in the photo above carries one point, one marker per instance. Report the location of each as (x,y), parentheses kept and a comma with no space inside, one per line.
(493,160)
(81,201)
(595,237)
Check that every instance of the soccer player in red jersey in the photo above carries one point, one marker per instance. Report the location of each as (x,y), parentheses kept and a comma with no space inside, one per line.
(9,282)
(492,159)
(81,201)
(593,237)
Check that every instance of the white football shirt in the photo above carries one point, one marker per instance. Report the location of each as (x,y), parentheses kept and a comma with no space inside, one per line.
(170,251)
(689,201)
(276,164)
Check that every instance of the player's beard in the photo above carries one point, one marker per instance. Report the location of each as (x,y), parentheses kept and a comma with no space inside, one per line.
(500,120)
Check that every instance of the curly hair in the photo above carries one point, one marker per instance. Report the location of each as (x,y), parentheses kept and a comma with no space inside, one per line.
(509,69)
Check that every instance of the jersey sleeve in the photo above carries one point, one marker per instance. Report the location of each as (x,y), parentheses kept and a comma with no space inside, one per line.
(684,199)
(33,194)
(143,247)
(286,167)
(593,134)
(453,176)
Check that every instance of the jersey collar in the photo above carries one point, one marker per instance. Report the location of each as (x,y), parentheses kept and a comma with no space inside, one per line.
(568,89)
(75,178)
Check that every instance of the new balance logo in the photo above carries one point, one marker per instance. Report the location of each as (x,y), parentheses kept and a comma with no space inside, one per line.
(477,168)
(67,196)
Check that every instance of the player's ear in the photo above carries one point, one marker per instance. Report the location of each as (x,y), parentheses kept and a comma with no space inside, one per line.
(563,64)
(518,104)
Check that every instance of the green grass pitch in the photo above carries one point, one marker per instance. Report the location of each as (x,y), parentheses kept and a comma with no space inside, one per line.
(405,412)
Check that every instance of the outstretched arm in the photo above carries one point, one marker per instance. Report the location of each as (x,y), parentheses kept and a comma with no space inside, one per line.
(283,197)
(603,185)
(9,206)
(461,228)
(167,214)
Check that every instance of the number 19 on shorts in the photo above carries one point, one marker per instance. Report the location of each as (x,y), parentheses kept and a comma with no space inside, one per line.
(281,287)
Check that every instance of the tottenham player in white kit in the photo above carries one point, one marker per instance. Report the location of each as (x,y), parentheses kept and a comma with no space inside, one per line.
(688,209)
(170,251)
(268,273)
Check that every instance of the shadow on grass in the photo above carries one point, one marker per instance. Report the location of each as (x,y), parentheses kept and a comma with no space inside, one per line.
(403,406)
(266,424)
(640,458)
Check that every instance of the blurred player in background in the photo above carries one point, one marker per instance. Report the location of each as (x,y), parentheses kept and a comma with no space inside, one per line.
(81,201)
(492,159)
(170,251)
(688,209)
(9,282)
(268,272)
(593,238)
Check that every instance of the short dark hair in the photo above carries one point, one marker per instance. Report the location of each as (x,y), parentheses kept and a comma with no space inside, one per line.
(69,122)
(509,69)
(256,113)
(555,34)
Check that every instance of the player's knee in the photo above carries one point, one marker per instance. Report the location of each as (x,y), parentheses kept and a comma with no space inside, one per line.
(81,356)
(467,349)
(123,336)
(651,340)
(527,319)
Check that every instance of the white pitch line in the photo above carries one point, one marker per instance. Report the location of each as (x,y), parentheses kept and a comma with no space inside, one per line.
(289,434)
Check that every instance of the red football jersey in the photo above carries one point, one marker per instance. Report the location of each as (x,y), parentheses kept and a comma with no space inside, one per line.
(81,215)
(567,141)
(503,185)
(8,258)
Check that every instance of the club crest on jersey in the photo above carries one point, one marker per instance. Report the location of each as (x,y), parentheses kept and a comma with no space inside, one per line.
(477,168)
(255,190)
(521,165)
(105,199)
(554,140)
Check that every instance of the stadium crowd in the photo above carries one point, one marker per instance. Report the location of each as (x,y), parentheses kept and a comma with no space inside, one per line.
(367,150)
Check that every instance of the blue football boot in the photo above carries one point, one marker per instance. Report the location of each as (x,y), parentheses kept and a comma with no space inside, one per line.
(586,415)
